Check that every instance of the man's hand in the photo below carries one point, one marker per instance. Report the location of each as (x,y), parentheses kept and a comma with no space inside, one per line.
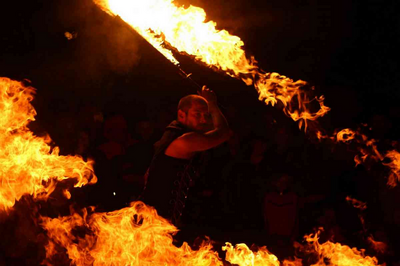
(208,94)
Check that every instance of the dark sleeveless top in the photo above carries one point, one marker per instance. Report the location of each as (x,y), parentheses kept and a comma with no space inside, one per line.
(168,178)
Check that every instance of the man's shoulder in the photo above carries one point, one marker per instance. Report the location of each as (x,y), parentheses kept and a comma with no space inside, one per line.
(179,148)
(175,125)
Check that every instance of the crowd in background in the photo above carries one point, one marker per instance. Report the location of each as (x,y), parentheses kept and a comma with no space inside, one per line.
(269,184)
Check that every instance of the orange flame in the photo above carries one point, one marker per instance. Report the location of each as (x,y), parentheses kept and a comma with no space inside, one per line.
(134,235)
(336,254)
(243,256)
(163,24)
(368,150)
(294,262)
(357,204)
(378,246)
(345,135)
(361,206)
(394,165)
(28,165)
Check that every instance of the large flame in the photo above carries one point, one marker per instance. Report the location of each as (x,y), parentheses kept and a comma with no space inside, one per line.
(163,24)
(136,235)
(28,165)
(241,255)
(336,254)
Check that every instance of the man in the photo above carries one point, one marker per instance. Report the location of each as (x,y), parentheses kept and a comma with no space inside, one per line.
(174,163)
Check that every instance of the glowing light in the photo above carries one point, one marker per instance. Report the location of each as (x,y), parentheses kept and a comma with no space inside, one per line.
(336,254)
(165,25)
(28,164)
(136,235)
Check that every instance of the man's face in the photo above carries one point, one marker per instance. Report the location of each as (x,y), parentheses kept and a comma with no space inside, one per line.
(196,117)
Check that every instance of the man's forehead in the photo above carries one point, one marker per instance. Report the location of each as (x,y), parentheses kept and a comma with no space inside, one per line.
(199,105)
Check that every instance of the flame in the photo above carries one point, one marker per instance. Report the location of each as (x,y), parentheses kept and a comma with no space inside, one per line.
(379,246)
(356,203)
(165,25)
(368,150)
(135,235)
(345,135)
(243,256)
(361,206)
(28,165)
(295,262)
(70,35)
(394,165)
(336,254)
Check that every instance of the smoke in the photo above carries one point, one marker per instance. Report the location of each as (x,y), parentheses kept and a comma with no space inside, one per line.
(70,42)
(102,45)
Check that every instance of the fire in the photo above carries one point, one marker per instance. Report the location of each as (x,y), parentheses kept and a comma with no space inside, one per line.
(165,25)
(361,206)
(28,165)
(394,165)
(243,256)
(135,235)
(334,254)
(357,204)
(346,135)
(368,151)
(379,246)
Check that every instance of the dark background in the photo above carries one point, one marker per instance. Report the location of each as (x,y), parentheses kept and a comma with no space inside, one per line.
(345,48)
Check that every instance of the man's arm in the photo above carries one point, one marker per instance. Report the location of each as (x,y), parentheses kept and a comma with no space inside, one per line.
(186,145)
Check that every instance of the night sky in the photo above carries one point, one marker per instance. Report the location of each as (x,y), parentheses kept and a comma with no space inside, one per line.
(345,48)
